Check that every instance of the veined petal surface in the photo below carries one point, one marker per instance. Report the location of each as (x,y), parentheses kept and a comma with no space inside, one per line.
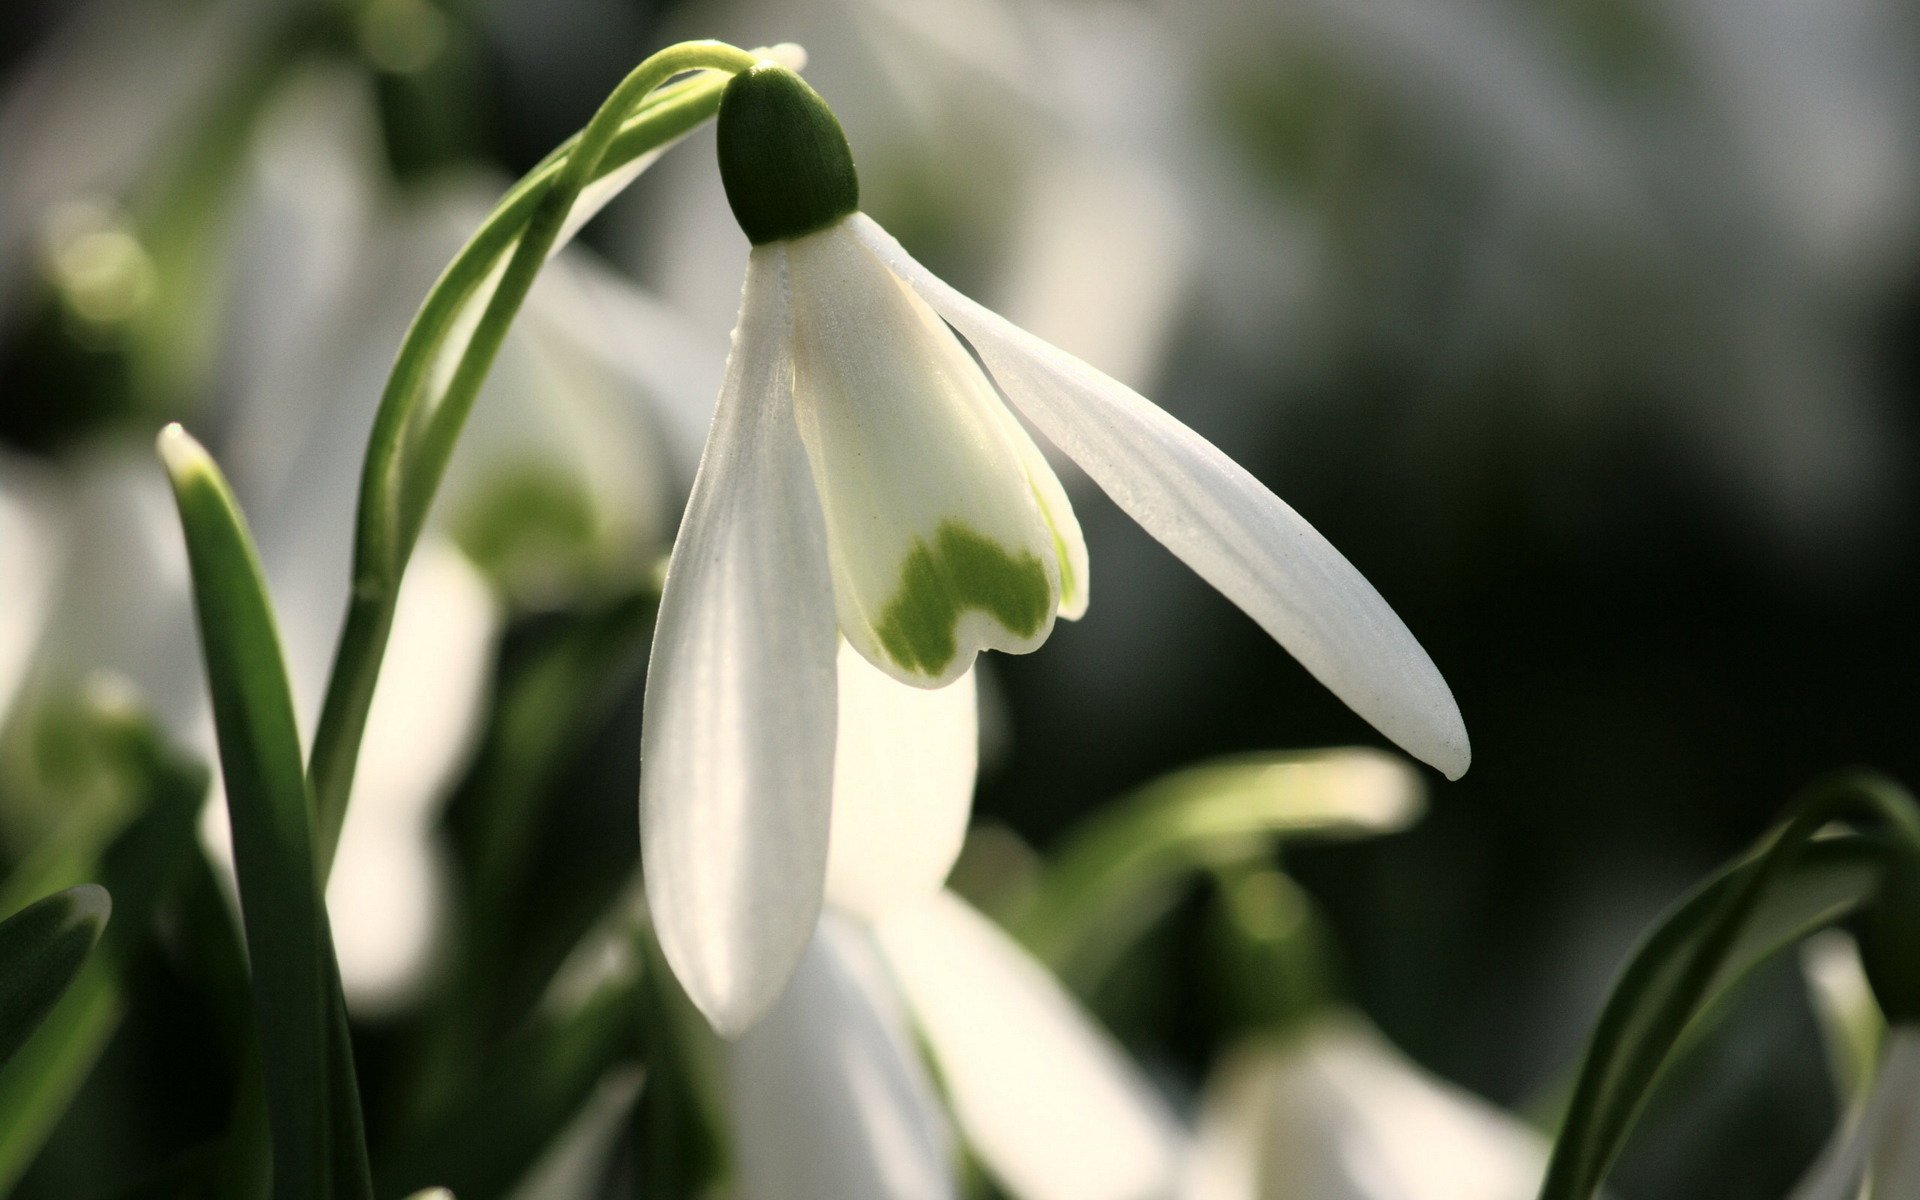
(1216,516)
(1053,1107)
(828,1098)
(904,767)
(939,542)
(736,770)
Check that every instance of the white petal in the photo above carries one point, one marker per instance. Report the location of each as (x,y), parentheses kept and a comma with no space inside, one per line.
(1885,1136)
(1051,1104)
(29,572)
(1334,1113)
(939,543)
(1216,516)
(432,692)
(1896,1160)
(387,890)
(903,774)
(827,1095)
(737,743)
(385,902)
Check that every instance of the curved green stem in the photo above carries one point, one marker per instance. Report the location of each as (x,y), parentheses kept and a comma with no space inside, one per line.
(1598,1119)
(414,431)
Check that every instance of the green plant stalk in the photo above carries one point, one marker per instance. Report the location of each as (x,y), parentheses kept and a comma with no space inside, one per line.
(1596,1125)
(413,436)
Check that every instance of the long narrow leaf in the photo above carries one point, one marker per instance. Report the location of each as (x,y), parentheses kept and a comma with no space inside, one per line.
(42,948)
(1113,875)
(318,1147)
(1828,882)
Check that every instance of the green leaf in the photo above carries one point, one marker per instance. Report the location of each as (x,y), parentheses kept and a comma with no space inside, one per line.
(318,1144)
(137,867)
(550,704)
(1117,872)
(677,1150)
(1637,1037)
(42,948)
(488,1137)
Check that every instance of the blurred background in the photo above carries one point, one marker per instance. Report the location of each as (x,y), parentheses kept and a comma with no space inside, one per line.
(1588,329)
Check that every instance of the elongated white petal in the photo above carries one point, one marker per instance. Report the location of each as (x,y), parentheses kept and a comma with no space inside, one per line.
(1334,1113)
(827,1095)
(1216,516)
(903,773)
(939,543)
(1053,1107)
(1896,1159)
(1884,1138)
(29,572)
(736,768)
(388,885)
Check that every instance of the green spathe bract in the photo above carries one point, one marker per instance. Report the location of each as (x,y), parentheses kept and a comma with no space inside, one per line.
(960,570)
(783,158)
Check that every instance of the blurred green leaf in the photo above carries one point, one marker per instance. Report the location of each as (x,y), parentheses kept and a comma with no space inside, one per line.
(1634,1040)
(42,948)
(137,868)
(488,1137)
(678,1153)
(551,703)
(1120,868)
(318,1142)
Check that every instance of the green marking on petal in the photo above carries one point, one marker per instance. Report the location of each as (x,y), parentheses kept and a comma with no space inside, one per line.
(960,570)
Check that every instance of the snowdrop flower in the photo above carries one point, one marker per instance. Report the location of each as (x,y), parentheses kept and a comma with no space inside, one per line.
(1882,1142)
(1330,1111)
(863,479)
(28,552)
(827,1096)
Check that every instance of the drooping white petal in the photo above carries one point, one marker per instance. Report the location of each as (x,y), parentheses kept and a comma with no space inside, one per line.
(1896,1159)
(1053,1107)
(1885,1136)
(29,572)
(420,731)
(939,543)
(1334,1113)
(737,745)
(1216,516)
(827,1095)
(903,774)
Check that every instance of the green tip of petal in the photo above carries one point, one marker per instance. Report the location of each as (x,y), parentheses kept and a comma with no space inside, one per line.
(960,570)
(783,157)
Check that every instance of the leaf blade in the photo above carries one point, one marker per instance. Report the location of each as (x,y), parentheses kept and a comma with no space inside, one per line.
(318,1146)
(42,950)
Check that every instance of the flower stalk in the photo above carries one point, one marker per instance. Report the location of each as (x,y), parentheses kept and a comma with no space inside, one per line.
(416,429)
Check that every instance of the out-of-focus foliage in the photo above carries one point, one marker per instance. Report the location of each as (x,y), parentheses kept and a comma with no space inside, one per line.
(1586,327)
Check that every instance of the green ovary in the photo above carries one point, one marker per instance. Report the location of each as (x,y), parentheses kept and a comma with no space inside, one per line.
(960,570)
